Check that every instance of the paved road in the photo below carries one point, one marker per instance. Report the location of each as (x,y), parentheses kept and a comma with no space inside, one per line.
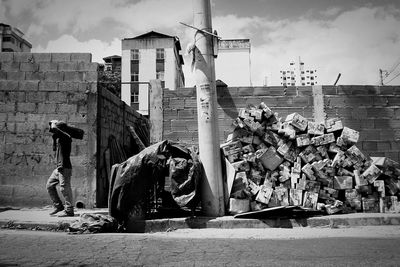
(368,246)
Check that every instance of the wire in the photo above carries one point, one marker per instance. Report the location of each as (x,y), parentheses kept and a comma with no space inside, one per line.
(392,69)
(398,74)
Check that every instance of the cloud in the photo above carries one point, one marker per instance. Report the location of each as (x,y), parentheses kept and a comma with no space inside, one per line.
(67,44)
(355,43)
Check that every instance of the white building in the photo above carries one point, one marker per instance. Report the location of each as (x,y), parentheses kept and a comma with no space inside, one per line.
(298,75)
(233,65)
(12,40)
(147,57)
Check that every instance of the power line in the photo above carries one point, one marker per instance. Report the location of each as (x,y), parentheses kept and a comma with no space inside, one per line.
(398,74)
(395,65)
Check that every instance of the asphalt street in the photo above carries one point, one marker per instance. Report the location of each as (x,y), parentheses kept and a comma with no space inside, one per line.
(369,246)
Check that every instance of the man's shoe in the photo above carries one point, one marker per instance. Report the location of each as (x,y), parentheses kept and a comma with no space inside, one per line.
(66,214)
(56,210)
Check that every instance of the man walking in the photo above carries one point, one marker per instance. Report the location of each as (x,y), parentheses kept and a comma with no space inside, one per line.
(62,174)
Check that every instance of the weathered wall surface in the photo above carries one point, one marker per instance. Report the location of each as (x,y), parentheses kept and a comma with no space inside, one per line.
(372,110)
(34,89)
(114,117)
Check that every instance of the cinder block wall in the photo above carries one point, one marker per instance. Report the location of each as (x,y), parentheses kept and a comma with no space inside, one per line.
(114,116)
(372,110)
(34,89)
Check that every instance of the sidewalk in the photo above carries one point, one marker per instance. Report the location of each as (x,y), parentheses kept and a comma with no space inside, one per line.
(38,219)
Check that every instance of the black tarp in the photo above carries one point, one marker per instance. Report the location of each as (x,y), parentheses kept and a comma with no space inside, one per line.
(134,182)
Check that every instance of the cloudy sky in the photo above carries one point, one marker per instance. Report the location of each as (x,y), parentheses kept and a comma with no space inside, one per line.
(352,37)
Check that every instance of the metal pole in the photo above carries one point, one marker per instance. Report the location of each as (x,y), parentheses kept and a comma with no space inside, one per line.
(212,195)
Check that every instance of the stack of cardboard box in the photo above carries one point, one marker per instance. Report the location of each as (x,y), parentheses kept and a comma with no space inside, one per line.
(273,161)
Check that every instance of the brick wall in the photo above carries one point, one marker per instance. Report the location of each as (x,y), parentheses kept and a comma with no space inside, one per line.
(34,89)
(114,116)
(374,111)
(180,111)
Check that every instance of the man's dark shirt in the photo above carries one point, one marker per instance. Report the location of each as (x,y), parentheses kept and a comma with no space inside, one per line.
(63,150)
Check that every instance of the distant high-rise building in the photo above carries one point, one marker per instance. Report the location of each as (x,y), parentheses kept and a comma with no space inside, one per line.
(298,75)
(232,64)
(11,40)
(147,57)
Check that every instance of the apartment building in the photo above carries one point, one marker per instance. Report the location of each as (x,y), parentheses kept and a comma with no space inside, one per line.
(12,40)
(147,57)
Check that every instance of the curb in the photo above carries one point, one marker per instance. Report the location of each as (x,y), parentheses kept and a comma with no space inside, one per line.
(226,222)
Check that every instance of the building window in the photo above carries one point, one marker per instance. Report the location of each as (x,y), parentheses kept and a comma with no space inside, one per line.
(135,54)
(134,76)
(312,78)
(160,54)
(302,78)
(135,97)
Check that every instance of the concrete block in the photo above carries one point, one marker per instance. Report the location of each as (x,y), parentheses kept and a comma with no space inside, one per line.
(245,91)
(295,197)
(264,194)
(86,66)
(74,76)
(48,86)
(48,66)
(7,107)
(34,76)
(29,66)
(41,57)
(69,86)
(10,66)
(28,85)
(67,108)
(59,57)
(26,107)
(52,76)
(68,66)
(91,76)
(270,159)
(15,96)
(310,200)
(57,97)
(47,108)
(3,74)
(16,117)
(8,85)
(23,57)
(6,57)
(237,206)
(15,75)
(81,57)
(77,118)
(36,97)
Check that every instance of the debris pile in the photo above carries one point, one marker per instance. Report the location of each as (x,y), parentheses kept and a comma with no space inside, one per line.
(273,161)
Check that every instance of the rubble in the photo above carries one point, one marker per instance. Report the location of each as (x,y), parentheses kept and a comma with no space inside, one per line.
(294,161)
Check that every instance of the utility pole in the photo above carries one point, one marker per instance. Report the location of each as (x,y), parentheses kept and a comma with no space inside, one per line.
(380,76)
(212,193)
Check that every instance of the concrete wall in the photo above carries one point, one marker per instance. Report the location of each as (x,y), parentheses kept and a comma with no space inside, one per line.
(34,89)
(374,111)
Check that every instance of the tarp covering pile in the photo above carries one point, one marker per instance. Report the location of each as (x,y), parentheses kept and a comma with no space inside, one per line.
(135,183)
